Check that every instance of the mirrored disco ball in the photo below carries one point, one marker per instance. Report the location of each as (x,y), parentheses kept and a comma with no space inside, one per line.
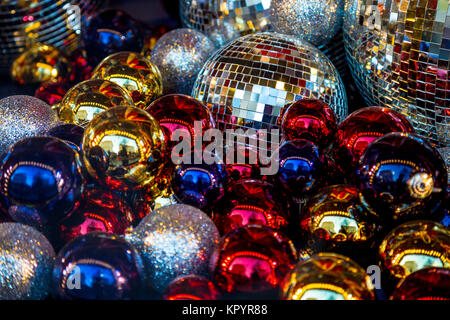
(225,20)
(398,52)
(248,82)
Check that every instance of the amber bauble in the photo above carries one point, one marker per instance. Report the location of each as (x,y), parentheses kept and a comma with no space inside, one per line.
(425,284)
(88,98)
(134,73)
(414,246)
(253,202)
(309,119)
(191,287)
(401,178)
(40,63)
(327,276)
(52,92)
(362,127)
(123,149)
(253,259)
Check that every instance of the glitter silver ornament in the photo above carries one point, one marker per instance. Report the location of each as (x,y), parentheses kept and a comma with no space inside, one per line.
(173,241)
(179,55)
(316,21)
(248,82)
(399,54)
(23,116)
(26,261)
(225,20)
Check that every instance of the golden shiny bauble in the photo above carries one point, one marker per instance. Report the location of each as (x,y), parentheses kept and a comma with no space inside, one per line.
(327,276)
(88,98)
(40,63)
(134,73)
(414,246)
(124,149)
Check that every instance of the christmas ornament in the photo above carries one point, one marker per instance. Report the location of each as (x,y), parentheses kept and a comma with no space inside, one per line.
(72,134)
(253,259)
(414,246)
(88,98)
(327,276)
(23,116)
(173,241)
(123,149)
(242,162)
(98,266)
(425,284)
(309,119)
(52,92)
(152,37)
(362,127)
(179,55)
(111,31)
(26,260)
(191,287)
(402,177)
(41,181)
(225,20)
(248,82)
(199,185)
(39,64)
(82,65)
(316,21)
(253,202)
(134,73)
(398,54)
(300,167)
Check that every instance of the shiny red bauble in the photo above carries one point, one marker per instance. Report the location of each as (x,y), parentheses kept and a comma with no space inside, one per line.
(242,162)
(362,127)
(52,92)
(253,259)
(309,119)
(82,65)
(191,287)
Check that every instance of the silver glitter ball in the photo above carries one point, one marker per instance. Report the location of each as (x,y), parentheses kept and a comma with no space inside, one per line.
(248,82)
(26,261)
(174,241)
(225,20)
(22,117)
(399,55)
(316,21)
(179,55)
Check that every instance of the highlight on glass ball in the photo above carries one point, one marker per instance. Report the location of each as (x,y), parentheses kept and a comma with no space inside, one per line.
(88,98)
(135,73)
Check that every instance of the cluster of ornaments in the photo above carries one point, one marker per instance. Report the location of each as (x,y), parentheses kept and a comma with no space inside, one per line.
(93,207)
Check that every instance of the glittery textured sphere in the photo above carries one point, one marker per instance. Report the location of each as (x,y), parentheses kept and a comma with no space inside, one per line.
(26,261)
(173,241)
(327,276)
(399,55)
(225,20)
(316,21)
(135,73)
(41,181)
(39,64)
(98,266)
(191,287)
(413,246)
(23,116)
(88,98)
(248,82)
(123,149)
(401,178)
(179,55)
(52,92)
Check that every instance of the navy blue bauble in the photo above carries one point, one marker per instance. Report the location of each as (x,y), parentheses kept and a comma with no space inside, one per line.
(98,266)
(70,133)
(41,181)
(112,31)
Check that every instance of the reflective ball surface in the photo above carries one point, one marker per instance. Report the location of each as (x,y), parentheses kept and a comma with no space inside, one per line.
(191,287)
(70,133)
(52,92)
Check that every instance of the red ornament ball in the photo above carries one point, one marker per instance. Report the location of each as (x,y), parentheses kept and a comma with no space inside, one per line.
(242,162)
(52,92)
(253,259)
(191,287)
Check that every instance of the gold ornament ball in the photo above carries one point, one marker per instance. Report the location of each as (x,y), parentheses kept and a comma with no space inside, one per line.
(124,149)
(327,276)
(134,73)
(40,63)
(414,246)
(90,97)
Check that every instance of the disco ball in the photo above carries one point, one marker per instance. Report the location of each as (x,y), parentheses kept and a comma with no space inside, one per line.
(247,83)
(398,52)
